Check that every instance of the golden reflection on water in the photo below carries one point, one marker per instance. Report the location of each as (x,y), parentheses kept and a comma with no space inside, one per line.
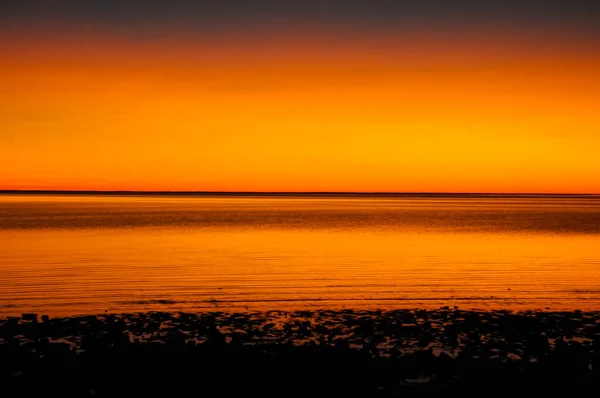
(66,255)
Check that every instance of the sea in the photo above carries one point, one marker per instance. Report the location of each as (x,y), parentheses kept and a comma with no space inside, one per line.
(73,254)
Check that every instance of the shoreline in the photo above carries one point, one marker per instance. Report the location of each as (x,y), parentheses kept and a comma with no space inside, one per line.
(225,307)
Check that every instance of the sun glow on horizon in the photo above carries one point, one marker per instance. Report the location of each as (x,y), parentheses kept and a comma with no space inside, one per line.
(299,113)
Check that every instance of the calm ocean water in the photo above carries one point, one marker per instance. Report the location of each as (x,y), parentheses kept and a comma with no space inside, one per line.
(64,255)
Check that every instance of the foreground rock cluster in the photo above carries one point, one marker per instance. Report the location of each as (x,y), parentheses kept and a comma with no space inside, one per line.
(304,353)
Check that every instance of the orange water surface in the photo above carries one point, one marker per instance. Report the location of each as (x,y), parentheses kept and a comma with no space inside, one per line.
(66,255)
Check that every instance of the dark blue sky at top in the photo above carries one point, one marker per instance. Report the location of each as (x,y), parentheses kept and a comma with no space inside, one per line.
(150,14)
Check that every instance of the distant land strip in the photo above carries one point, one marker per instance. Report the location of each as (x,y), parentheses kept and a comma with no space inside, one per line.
(300,194)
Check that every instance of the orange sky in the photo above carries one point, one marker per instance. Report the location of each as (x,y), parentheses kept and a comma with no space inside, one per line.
(295,111)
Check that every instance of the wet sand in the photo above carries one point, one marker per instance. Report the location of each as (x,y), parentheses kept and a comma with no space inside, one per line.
(311,353)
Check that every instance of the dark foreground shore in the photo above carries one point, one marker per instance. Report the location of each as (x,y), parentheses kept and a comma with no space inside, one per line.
(317,353)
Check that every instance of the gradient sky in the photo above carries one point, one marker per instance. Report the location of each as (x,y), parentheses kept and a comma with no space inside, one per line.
(437,96)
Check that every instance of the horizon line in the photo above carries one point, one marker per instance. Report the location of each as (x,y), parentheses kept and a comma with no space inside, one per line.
(280,193)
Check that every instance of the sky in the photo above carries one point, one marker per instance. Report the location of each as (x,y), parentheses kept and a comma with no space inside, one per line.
(365,96)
